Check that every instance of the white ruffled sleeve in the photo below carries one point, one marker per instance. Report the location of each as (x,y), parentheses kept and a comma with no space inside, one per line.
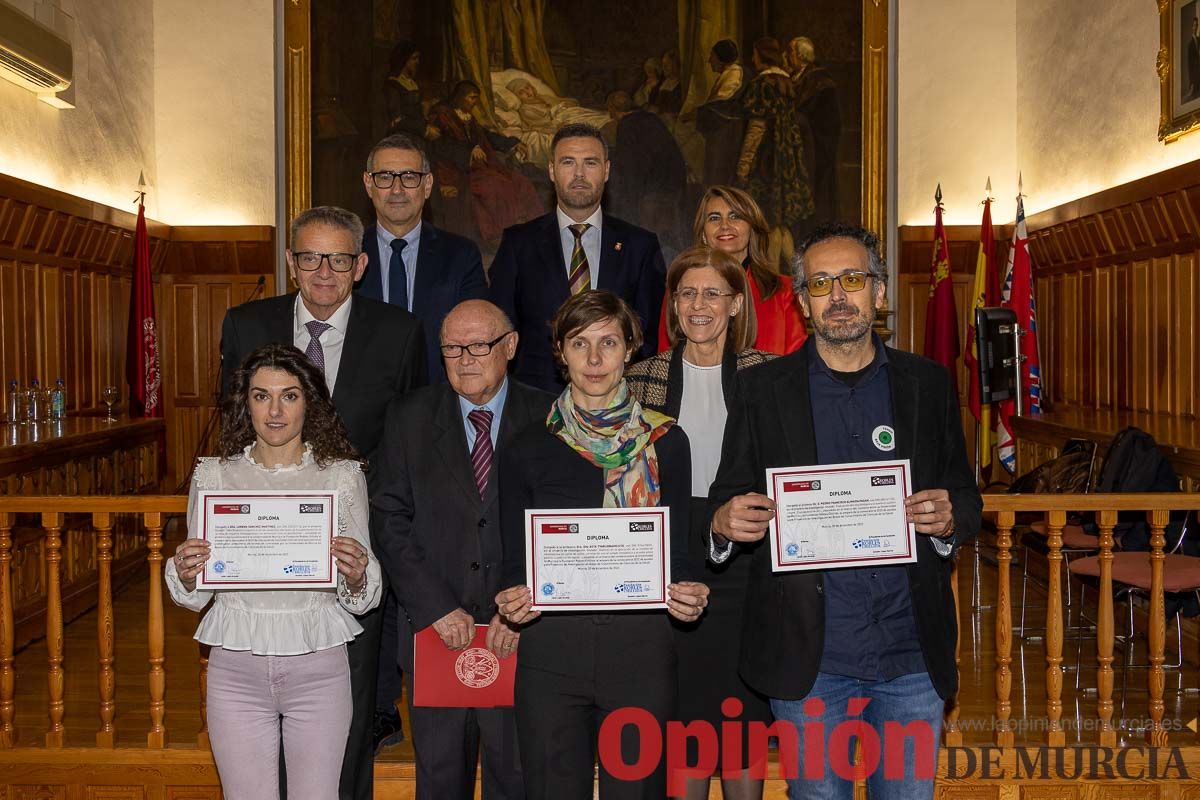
(352,521)
(196,599)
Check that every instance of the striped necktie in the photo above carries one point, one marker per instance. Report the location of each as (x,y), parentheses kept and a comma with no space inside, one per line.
(314,351)
(481,451)
(579,276)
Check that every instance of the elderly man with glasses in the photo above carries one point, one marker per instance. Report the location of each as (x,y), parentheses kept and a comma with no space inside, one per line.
(371,353)
(873,644)
(435,526)
(410,263)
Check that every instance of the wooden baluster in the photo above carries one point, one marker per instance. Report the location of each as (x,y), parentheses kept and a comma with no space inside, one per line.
(1004,526)
(1055,735)
(1105,633)
(52,522)
(202,740)
(1156,733)
(107,735)
(952,736)
(157,737)
(8,734)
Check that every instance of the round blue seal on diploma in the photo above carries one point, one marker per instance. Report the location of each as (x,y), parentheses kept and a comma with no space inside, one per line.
(792,549)
(219,567)
(547,589)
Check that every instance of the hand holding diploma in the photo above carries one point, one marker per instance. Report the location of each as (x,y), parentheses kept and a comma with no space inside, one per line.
(744,518)
(516,605)
(352,561)
(189,561)
(931,512)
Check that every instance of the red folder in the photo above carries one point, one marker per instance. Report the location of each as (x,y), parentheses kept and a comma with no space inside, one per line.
(471,678)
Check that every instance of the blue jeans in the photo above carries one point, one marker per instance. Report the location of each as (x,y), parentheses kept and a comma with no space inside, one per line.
(898,752)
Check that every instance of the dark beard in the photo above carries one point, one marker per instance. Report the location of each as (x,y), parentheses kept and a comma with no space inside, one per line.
(845,332)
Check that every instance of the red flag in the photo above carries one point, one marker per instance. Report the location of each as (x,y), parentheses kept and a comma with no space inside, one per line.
(986,293)
(1018,295)
(142,361)
(941,317)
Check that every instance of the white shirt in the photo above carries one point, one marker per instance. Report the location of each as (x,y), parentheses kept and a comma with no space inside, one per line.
(331,340)
(412,245)
(285,622)
(702,416)
(591,241)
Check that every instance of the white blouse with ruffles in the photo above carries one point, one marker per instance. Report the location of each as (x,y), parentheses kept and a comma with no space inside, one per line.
(288,622)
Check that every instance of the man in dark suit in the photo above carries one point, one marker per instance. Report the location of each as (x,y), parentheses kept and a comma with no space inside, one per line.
(371,353)
(883,633)
(410,263)
(542,262)
(436,532)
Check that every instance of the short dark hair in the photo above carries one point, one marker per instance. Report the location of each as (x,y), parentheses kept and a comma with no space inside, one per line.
(586,309)
(839,230)
(769,51)
(332,216)
(461,89)
(398,141)
(323,428)
(578,130)
(726,51)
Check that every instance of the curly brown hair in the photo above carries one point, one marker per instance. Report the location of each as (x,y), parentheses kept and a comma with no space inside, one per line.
(323,428)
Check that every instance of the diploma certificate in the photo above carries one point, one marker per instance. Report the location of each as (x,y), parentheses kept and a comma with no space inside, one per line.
(268,539)
(840,515)
(598,559)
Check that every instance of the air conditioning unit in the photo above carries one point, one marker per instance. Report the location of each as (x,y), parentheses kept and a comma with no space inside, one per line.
(32,55)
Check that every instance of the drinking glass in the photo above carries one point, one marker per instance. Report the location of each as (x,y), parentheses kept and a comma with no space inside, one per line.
(110,396)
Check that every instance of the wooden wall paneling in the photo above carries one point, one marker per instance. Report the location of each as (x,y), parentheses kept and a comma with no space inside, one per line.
(1186,325)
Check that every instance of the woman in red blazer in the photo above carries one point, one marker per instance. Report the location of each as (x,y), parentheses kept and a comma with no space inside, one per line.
(728,219)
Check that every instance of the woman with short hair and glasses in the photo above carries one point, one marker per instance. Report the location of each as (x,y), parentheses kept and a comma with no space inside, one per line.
(278,662)
(599,447)
(711,325)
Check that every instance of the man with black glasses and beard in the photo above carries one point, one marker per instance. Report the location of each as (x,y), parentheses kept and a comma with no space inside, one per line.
(543,262)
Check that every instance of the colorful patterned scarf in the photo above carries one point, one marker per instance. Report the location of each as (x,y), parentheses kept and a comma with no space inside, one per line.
(620,440)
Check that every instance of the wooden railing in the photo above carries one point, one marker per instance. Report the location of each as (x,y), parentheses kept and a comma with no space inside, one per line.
(152,510)
(1002,509)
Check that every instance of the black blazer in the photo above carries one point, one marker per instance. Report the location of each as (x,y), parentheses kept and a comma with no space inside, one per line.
(539,470)
(449,270)
(437,540)
(529,281)
(382,358)
(771,425)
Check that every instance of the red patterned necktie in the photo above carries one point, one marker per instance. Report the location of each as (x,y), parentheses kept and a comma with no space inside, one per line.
(481,451)
(579,277)
(314,351)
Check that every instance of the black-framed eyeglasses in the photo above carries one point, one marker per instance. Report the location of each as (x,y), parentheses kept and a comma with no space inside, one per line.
(409,179)
(851,281)
(689,294)
(476,349)
(338,262)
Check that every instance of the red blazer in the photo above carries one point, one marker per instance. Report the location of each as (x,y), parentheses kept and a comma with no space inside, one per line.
(781,327)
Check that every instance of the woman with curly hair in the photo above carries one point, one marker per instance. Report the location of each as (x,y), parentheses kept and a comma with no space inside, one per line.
(280,654)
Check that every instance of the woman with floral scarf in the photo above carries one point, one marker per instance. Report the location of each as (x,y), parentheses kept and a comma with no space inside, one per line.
(597,448)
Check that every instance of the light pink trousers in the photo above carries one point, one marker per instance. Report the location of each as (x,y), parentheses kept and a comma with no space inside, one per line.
(247,697)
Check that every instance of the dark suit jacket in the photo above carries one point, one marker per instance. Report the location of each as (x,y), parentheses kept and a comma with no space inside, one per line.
(382,358)
(529,281)
(771,425)
(449,270)
(437,540)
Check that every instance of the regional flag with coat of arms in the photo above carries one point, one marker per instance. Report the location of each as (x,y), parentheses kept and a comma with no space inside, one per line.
(941,316)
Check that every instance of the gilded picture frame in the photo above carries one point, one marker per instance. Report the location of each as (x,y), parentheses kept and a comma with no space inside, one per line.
(1178,67)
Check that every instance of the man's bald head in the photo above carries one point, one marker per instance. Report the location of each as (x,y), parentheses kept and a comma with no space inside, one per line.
(478,324)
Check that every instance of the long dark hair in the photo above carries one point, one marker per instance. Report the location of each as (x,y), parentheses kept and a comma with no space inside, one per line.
(323,429)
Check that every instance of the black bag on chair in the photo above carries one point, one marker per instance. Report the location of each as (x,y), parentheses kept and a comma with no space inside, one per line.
(1135,464)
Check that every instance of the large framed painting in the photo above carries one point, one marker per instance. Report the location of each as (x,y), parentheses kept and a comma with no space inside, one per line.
(498,77)
(1179,67)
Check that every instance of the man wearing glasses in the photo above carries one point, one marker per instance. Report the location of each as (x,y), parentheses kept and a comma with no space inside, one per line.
(435,528)
(410,263)
(886,634)
(371,353)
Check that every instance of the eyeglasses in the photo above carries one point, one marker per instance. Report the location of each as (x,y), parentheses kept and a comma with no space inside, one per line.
(690,294)
(338,262)
(822,285)
(409,179)
(476,349)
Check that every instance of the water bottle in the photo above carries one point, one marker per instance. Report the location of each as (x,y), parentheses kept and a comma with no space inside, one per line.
(16,411)
(58,400)
(36,410)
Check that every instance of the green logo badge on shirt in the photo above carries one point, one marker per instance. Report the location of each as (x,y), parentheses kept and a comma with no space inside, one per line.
(884,438)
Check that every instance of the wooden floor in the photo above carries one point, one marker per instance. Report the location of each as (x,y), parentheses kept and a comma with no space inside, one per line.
(976,698)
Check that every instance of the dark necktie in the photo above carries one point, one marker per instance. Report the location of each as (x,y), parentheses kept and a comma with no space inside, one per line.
(579,276)
(398,276)
(481,451)
(314,351)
